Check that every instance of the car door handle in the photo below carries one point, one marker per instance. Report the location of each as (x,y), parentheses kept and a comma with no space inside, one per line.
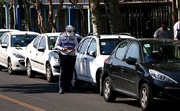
(122,69)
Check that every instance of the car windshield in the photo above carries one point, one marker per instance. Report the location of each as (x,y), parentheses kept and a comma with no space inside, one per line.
(108,45)
(52,41)
(21,40)
(160,53)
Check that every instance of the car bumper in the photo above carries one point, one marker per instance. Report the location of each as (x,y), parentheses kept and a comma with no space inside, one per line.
(166,92)
(56,70)
(18,64)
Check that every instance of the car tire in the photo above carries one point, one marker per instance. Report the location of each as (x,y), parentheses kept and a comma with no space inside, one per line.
(49,74)
(9,67)
(145,98)
(29,71)
(108,94)
(75,82)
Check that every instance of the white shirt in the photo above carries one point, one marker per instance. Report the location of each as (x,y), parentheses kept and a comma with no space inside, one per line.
(175,27)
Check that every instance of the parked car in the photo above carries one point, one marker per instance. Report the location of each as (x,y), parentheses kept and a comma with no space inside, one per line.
(145,69)
(12,47)
(42,58)
(91,52)
(2,31)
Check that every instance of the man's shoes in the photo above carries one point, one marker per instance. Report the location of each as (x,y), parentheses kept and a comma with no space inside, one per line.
(61,91)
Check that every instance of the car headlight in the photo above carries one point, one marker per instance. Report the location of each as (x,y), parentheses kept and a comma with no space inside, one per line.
(160,76)
(17,55)
(56,59)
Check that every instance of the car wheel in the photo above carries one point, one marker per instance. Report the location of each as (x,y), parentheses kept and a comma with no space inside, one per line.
(10,70)
(145,98)
(108,94)
(29,71)
(49,75)
(75,82)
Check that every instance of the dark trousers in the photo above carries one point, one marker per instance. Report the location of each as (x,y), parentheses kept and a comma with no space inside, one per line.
(67,64)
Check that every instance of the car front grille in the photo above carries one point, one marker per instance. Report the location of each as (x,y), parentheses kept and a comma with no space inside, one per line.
(173,91)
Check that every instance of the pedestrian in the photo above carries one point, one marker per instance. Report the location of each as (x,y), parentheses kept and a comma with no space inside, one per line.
(163,31)
(67,44)
(176,29)
(149,31)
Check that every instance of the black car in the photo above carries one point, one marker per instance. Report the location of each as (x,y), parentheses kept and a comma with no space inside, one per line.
(145,69)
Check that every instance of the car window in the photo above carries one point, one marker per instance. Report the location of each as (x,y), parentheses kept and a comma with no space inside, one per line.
(121,50)
(52,41)
(83,46)
(133,51)
(36,41)
(92,46)
(4,39)
(108,45)
(154,53)
(43,42)
(21,40)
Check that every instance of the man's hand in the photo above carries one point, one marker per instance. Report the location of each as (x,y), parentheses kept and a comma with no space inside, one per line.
(71,51)
(64,49)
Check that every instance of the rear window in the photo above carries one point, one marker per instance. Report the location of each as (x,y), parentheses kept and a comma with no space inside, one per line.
(108,45)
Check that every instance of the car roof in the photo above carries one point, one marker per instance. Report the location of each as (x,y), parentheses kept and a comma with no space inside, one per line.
(52,34)
(23,32)
(8,30)
(112,36)
(156,40)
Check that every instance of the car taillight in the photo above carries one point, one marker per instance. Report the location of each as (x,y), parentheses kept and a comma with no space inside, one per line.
(105,60)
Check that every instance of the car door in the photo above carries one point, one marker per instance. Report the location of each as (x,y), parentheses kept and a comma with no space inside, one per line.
(90,64)
(81,58)
(4,46)
(116,62)
(40,54)
(129,73)
(32,52)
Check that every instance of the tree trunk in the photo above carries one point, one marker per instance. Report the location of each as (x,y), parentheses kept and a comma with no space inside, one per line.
(11,14)
(50,16)
(37,5)
(96,17)
(114,16)
(27,17)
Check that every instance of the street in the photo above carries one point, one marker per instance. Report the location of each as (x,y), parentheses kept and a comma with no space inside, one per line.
(20,93)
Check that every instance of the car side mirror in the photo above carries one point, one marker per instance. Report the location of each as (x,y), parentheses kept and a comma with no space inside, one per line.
(131,61)
(41,49)
(4,45)
(92,53)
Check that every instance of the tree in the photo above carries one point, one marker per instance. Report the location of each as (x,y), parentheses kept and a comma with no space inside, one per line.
(96,18)
(50,16)
(114,16)
(37,5)
(11,14)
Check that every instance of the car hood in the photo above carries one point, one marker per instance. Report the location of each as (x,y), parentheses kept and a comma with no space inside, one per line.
(54,53)
(170,69)
(18,50)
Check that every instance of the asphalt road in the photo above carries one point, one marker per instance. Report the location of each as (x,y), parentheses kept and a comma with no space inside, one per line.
(20,93)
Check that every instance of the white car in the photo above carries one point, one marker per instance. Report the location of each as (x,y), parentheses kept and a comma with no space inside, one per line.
(91,53)
(2,31)
(12,47)
(42,58)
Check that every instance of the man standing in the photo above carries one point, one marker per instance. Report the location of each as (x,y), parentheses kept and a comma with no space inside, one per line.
(163,31)
(176,29)
(67,44)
